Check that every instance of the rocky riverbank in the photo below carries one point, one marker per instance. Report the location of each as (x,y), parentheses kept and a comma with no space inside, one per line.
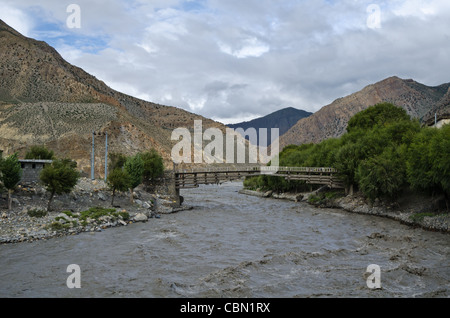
(411,209)
(86,209)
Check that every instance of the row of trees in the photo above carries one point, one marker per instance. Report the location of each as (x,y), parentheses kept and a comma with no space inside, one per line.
(61,176)
(383,152)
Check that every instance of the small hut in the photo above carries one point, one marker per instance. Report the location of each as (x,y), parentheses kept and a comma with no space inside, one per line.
(31,170)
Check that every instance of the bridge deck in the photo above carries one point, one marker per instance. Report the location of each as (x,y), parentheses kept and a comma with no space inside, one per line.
(311,175)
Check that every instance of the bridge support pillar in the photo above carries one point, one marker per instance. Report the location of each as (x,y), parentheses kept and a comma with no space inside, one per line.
(174,192)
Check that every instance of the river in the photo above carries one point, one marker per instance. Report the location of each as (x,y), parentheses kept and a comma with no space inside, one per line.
(233,245)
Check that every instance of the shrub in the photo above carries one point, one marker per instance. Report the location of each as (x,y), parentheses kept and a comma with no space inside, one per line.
(36,213)
(58,226)
(95,213)
(40,152)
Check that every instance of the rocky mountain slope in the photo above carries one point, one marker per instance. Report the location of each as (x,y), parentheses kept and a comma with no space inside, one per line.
(420,101)
(47,101)
(283,119)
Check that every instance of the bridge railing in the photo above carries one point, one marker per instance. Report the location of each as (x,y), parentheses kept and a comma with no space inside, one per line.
(298,169)
(263,169)
(220,169)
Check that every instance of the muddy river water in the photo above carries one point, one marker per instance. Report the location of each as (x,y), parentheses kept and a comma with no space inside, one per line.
(233,245)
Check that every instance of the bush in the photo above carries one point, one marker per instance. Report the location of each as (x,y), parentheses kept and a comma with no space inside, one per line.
(36,213)
(58,226)
(95,213)
(40,152)
(251,183)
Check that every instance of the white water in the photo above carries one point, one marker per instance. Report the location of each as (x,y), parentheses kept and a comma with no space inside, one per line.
(232,245)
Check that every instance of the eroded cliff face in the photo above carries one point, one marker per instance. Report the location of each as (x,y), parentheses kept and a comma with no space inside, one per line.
(331,121)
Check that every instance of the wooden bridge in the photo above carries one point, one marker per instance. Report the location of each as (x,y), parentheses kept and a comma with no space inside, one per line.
(185,179)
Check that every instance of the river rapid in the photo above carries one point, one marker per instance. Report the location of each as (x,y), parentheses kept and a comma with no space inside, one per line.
(233,245)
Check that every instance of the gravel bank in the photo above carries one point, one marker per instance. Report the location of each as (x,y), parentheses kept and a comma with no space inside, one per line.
(25,223)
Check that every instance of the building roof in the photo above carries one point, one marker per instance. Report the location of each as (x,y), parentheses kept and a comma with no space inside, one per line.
(34,161)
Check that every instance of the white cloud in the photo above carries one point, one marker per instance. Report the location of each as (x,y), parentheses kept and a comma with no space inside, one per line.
(250,47)
(16,19)
(422,8)
(238,59)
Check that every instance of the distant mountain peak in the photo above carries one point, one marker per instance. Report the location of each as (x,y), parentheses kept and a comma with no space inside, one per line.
(283,119)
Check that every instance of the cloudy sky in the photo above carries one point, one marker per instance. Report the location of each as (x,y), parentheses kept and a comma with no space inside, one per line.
(234,60)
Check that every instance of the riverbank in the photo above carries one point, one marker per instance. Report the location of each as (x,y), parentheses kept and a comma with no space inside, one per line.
(86,209)
(410,209)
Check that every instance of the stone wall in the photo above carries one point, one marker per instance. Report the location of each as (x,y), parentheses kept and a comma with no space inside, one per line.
(31,172)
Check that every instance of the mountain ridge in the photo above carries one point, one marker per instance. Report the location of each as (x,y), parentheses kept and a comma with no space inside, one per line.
(283,119)
(419,101)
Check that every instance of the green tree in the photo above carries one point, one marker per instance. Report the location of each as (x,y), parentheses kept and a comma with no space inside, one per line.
(370,133)
(324,153)
(296,156)
(440,154)
(116,160)
(60,177)
(377,115)
(153,166)
(118,180)
(348,159)
(134,166)
(419,162)
(11,174)
(383,175)
(40,152)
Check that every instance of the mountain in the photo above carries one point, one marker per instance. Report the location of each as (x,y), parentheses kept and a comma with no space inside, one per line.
(420,101)
(44,100)
(283,119)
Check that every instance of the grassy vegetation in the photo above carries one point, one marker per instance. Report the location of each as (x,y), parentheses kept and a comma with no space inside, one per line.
(418,217)
(95,213)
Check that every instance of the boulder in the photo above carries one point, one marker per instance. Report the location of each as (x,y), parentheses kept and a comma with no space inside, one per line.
(101,196)
(140,217)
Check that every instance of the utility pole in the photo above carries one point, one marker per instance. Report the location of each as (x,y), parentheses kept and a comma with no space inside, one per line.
(93,157)
(106,156)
